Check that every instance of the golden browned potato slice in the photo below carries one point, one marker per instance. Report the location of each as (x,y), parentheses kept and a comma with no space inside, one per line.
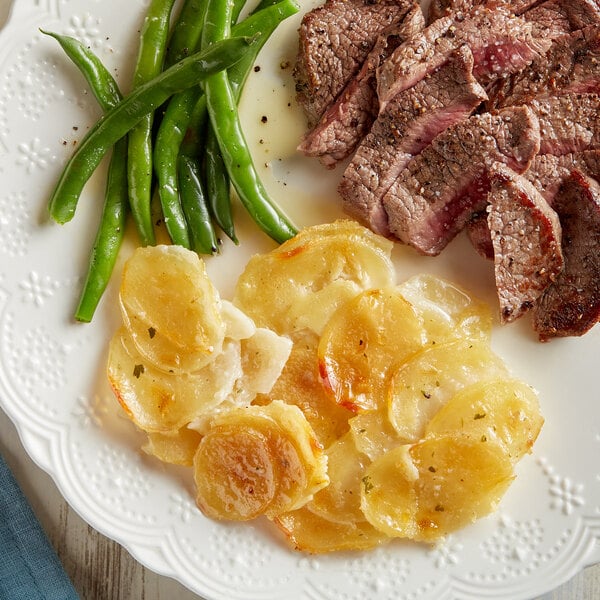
(363,339)
(504,410)
(171,308)
(258,460)
(420,386)
(432,488)
(157,401)
(177,447)
(340,500)
(373,433)
(309,532)
(300,384)
(388,496)
(303,281)
(448,311)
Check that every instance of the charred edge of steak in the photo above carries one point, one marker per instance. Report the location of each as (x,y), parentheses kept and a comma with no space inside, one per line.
(571,305)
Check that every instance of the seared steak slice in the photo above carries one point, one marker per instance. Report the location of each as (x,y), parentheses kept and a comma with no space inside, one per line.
(403,129)
(547,172)
(571,305)
(442,8)
(501,42)
(570,66)
(555,18)
(568,123)
(334,40)
(350,117)
(525,235)
(435,196)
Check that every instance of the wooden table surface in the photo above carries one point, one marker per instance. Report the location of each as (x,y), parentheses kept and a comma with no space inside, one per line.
(102,570)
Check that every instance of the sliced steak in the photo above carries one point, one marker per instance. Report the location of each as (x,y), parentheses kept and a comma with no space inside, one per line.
(441,188)
(570,66)
(406,126)
(501,42)
(526,240)
(571,305)
(349,119)
(547,172)
(334,40)
(442,8)
(555,18)
(568,123)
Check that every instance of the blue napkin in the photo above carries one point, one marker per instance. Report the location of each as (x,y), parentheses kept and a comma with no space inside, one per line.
(29,567)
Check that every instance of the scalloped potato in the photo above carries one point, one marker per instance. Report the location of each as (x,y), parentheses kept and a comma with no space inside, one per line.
(258,460)
(345,408)
(438,485)
(162,288)
(303,281)
(420,386)
(363,339)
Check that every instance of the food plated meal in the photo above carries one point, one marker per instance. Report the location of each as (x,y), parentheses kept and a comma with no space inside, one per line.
(547,514)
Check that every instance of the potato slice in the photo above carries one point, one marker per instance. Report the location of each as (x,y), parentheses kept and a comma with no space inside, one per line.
(373,433)
(157,401)
(309,532)
(264,355)
(362,341)
(504,410)
(171,308)
(420,386)
(303,281)
(448,312)
(432,488)
(258,460)
(299,384)
(388,497)
(339,502)
(177,447)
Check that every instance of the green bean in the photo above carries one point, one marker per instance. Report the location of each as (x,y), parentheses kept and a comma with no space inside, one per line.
(191,144)
(204,240)
(222,109)
(186,33)
(218,192)
(166,149)
(111,230)
(118,121)
(101,82)
(153,42)
(109,236)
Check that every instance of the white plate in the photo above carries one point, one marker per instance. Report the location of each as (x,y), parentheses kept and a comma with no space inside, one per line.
(52,381)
